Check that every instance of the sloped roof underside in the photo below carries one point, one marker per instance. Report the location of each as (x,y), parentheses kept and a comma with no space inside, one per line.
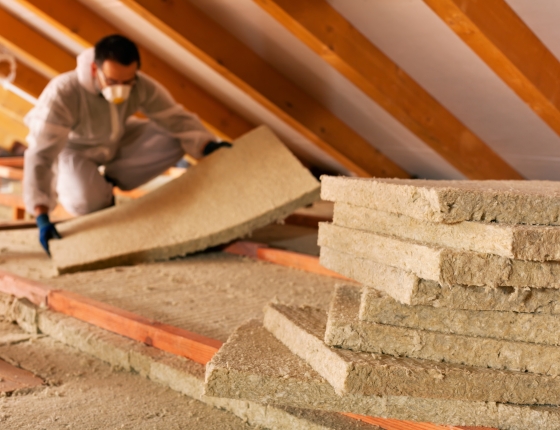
(413,37)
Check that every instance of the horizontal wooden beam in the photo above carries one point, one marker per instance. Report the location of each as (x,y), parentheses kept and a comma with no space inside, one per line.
(12,173)
(30,45)
(17,225)
(85,27)
(295,260)
(14,378)
(392,424)
(492,29)
(162,336)
(20,287)
(319,26)
(233,60)
(12,162)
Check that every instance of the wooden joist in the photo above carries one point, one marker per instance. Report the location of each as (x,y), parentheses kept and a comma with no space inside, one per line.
(391,424)
(162,336)
(85,27)
(12,173)
(291,259)
(12,162)
(13,378)
(333,38)
(492,29)
(241,66)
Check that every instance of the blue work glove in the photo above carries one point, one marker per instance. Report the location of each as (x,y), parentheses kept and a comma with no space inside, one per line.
(47,231)
(212,146)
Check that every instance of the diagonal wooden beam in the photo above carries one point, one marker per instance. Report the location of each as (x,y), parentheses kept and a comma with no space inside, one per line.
(241,66)
(493,30)
(333,38)
(29,45)
(84,26)
(29,80)
(13,126)
(13,105)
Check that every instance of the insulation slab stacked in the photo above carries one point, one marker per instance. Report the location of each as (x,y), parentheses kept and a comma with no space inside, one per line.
(456,322)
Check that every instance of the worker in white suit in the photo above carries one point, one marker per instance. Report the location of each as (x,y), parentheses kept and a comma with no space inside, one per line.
(84,120)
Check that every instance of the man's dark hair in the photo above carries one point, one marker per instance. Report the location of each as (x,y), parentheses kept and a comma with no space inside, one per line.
(116,48)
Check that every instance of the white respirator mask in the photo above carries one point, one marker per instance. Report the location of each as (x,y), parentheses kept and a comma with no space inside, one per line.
(115,94)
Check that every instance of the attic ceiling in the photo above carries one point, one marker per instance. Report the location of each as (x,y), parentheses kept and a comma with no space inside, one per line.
(409,32)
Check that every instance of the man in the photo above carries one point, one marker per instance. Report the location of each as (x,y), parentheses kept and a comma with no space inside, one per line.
(83,120)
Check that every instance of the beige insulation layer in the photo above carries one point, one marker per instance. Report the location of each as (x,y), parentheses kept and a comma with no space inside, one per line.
(176,372)
(536,243)
(346,330)
(226,196)
(302,330)
(509,202)
(523,327)
(407,288)
(444,265)
(254,366)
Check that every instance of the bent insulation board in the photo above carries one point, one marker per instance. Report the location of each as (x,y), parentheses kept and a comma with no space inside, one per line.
(407,288)
(523,327)
(346,330)
(444,265)
(510,202)
(255,366)
(226,196)
(302,330)
(523,242)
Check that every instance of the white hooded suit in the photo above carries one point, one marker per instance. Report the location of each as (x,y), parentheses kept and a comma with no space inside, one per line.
(74,127)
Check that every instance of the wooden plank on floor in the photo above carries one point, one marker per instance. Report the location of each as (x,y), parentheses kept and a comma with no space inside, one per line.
(17,225)
(13,173)
(162,336)
(12,162)
(391,424)
(13,378)
(308,263)
(305,220)
(21,287)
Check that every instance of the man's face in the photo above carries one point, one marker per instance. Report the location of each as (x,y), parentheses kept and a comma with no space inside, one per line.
(116,73)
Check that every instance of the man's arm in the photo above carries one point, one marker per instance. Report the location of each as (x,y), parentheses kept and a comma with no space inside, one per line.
(49,124)
(158,105)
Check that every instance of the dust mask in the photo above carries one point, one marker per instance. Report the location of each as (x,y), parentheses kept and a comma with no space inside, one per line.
(116,93)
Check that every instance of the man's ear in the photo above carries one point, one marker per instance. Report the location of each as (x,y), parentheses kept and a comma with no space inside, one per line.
(93,69)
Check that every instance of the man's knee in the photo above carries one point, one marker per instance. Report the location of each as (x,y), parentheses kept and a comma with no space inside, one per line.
(85,204)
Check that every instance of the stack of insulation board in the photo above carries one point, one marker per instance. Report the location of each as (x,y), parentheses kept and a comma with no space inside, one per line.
(456,322)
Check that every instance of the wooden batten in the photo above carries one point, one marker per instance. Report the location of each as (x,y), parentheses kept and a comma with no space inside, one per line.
(492,29)
(319,26)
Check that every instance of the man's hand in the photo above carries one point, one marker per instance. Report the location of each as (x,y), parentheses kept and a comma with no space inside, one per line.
(212,146)
(47,231)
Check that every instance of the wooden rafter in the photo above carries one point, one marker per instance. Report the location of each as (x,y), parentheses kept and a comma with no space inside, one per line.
(12,126)
(334,39)
(84,26)
(508,46)
(31,46)
(29,80)
(13,105)
(237,63)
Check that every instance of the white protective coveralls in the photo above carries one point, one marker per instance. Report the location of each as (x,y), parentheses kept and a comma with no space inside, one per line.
(73,124)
